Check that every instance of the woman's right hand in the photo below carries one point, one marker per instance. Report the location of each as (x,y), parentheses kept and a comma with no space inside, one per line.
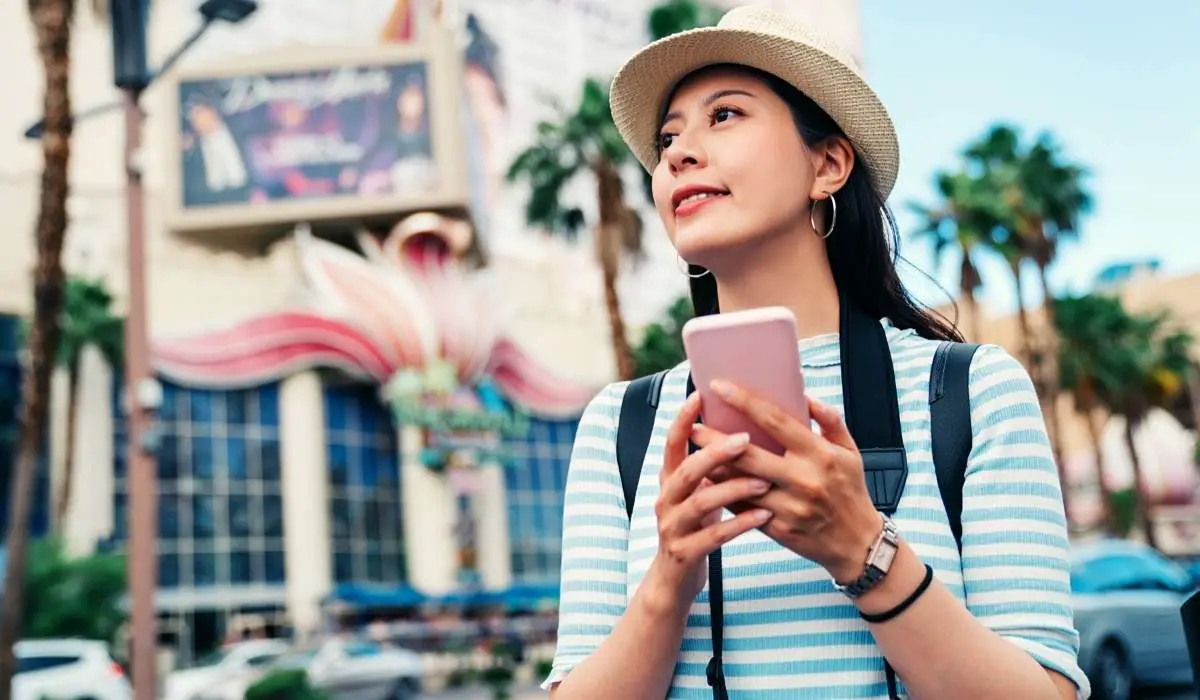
(689,508)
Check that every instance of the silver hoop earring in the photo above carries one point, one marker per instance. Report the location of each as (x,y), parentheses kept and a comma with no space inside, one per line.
(812,221)
(686,270)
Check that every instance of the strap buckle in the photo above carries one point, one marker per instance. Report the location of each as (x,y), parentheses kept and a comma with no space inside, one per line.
(715,674)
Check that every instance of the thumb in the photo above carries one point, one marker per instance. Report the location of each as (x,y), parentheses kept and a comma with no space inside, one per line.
(833,428)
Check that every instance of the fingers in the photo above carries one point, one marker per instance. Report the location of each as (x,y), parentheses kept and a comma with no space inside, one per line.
(791,433)
(833,428)
(691,514)
(676,449)
(703,542)
(752,460)
(680,484)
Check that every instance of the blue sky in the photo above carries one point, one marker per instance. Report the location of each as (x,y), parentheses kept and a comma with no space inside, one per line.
(1118,84)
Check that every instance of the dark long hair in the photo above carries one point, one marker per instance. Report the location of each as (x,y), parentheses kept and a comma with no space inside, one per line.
(864,247)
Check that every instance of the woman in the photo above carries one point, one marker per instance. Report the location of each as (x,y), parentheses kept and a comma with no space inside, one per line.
(771,161)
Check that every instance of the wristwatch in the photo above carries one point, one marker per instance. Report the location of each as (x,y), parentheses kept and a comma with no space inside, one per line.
(879,561)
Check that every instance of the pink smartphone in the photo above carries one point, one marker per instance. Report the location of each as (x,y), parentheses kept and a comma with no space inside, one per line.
(755,349)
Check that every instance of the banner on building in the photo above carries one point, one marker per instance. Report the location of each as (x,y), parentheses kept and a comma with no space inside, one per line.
(315,135)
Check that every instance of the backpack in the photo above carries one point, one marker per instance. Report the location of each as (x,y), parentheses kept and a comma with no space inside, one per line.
(868,381)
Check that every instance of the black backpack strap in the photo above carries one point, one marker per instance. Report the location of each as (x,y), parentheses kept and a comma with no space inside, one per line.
(872,410)
(871,406)
(639,406)
(950,425)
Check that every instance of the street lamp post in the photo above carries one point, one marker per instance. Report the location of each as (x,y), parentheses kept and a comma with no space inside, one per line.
(131,74)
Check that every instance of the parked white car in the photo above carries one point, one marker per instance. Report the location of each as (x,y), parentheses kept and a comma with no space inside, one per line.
(231,661)
(348,669)
(366,670)
(67,668)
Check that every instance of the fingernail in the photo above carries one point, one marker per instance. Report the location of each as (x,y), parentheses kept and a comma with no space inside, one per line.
(737,442)
(760,485)
(762,515)
(722,388)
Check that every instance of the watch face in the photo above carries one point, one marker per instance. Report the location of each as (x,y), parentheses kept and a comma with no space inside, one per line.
(884,556)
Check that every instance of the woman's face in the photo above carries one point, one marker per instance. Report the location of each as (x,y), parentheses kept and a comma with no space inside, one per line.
(733,168)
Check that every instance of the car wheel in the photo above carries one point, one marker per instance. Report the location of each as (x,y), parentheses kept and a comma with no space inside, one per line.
(406,689)
(1111,676)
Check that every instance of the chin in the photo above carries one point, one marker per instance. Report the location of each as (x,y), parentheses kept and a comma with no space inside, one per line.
(707,245)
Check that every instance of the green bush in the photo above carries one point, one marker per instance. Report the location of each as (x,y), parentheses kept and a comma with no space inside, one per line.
(290,684)
(1123,508)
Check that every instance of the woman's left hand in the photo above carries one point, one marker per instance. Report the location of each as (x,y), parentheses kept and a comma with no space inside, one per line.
(822,510)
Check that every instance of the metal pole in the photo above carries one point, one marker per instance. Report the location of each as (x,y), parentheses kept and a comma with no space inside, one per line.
(140,475)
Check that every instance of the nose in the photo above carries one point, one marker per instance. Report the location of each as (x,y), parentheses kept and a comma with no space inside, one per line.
(685,152)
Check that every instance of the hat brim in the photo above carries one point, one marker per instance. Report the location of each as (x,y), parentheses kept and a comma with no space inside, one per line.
(645,82)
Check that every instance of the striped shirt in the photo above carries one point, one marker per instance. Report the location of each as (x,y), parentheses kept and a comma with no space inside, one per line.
(788,633)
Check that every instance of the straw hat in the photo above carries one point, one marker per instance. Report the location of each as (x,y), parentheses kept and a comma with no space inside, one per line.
(769,41)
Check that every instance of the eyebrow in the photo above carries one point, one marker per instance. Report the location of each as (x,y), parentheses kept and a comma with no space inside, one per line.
(728,92)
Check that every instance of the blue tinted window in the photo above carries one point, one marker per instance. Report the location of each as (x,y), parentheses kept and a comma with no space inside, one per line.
(535,482)
(220,508)
(367,536)
(11,375)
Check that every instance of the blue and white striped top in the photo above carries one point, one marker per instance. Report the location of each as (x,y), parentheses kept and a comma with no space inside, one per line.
(789,634)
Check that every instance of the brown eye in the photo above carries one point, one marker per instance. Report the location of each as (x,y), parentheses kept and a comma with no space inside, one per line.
(664,141)
(721,114)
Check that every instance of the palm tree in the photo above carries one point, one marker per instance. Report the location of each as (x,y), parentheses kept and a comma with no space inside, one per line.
(958,221)
(87,319)
(586,141)
(1039,198)
(1126,363)
(674,16)
(52,26)
(1086,327)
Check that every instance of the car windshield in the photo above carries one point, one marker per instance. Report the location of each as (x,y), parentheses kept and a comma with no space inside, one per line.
(1128,571)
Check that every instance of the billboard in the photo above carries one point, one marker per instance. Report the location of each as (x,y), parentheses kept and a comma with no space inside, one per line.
(317,135)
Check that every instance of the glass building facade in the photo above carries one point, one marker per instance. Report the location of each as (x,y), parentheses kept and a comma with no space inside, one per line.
(221,490)
(220,498)
(11,372)
(535,483)
(364,487)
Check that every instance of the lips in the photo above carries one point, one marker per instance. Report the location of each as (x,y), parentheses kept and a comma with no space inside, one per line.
(692,197)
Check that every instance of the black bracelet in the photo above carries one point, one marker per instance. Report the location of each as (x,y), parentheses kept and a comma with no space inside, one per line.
(885,616)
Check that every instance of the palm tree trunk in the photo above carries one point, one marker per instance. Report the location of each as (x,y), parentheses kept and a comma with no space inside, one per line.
(52,24)
(1105,491)
(1022,316)
(968,282)
(64,497)
(970,324)
(1047,378)
(609,238)
(1049,409)
(616,324)
(1139,486)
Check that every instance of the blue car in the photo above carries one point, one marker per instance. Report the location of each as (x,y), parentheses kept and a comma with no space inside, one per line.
(1127,597)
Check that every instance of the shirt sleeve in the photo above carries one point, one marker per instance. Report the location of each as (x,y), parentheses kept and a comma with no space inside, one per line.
(593,593)
(1016,572)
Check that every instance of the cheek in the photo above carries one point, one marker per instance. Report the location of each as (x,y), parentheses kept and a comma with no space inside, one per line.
(769,182)
(662,184)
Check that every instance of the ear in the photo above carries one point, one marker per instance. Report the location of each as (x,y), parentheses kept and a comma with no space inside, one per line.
(833,160)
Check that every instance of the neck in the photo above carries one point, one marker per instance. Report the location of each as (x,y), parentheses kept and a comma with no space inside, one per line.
(782,273)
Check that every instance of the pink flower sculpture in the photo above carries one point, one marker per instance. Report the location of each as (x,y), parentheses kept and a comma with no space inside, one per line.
(407,304)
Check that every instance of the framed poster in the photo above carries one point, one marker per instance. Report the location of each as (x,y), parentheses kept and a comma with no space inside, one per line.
(317,134)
